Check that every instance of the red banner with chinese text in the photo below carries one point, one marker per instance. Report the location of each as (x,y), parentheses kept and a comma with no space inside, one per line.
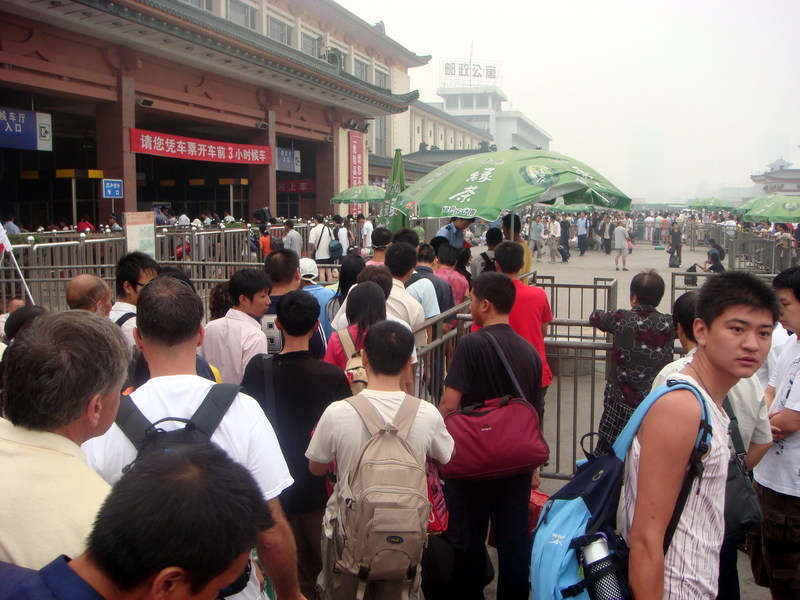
(357,170)
(176,146)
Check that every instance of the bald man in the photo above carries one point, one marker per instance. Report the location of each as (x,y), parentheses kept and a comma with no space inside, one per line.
(88,292)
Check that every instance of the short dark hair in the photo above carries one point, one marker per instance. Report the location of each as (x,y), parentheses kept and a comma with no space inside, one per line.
(297,312)
(438,241)
(684,312)
(381,238)
(337,219)
(509,257)
(289,223)
(359,216)
(400,259)
(196,490)
(517,222)
(319,218)
(57,364)
(388,346)
(735,288)
(130,266)
(248,282)
(407,235)
(448,256)
(788,280)
(493,236)
(366,305)
(426,254)
(497,288)
(168,311)
(648,287)
(281,265)
(380,274)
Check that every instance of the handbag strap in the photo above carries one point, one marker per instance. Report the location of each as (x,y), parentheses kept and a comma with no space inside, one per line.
(733,429)
(504,360)
(269,389)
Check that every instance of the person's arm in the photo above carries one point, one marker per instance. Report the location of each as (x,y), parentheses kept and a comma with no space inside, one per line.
(769,396)
(755,452)
(317,468)
(787,421)
(450,401)
(664,455)
(278,554)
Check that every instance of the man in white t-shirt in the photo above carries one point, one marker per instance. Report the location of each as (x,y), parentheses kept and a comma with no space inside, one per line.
(366,231)
(775,548)
(134,270)
(168,332)
(340,432)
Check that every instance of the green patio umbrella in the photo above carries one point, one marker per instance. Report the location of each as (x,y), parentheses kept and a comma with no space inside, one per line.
(390,217)
(710,204)
(573,208)
(485,184)
(783,209)
(759,202)
(359,194)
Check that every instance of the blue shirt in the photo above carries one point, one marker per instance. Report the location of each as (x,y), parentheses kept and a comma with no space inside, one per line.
(582,226)
(55,581)
(322,296)
(454,236)
(11,227)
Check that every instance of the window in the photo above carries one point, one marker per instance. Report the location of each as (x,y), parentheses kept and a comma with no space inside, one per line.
(242,14)
(451,102)
(204,4)
(309,45)
(467,101)
(381,143)
(382,79)
(482,101)
(278,30)
(361,69)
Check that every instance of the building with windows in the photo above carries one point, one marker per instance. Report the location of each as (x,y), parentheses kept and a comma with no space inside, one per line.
(196,104)
(482,107)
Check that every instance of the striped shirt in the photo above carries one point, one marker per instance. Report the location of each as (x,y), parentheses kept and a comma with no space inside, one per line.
(691,566)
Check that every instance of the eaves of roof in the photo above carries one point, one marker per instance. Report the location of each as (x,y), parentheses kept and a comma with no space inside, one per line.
(441,157)
(452,119)
(386,162)
(778,175)
(211,31)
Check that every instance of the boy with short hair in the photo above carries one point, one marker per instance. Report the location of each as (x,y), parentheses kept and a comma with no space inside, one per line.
(232,341)
(341,432)
(735,316)
(775,548)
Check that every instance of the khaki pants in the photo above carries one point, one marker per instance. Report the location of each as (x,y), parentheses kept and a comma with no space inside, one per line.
(307,529)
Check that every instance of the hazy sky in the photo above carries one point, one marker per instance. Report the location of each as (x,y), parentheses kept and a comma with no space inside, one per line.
(670,99)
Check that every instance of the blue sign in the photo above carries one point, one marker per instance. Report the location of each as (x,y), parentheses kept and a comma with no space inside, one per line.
(112,188)
(25,130)
(288,160)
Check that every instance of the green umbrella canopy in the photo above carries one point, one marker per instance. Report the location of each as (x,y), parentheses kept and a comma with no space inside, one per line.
(359,194)
(390,217)
(759,202)
(711,203)
(484,185)
(784,209)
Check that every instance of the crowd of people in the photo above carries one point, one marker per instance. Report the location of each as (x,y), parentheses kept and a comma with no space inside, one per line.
(270,379)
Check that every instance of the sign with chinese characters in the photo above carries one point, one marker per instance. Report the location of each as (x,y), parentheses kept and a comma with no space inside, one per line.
(357,170)
(112,188)
(25,130)
(296,186)
(140,232)
(288,160)
(176,146)
(468,72)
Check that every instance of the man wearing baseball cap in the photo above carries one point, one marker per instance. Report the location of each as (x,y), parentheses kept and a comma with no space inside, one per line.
(309,274)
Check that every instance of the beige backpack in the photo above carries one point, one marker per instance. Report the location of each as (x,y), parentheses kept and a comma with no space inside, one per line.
(383,504)
(354,367)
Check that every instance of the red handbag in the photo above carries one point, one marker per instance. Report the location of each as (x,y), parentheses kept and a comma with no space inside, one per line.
(439,517)
(499,438)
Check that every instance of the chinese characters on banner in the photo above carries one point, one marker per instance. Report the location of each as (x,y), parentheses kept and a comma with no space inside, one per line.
(296,186)
(176,146)
(357,170)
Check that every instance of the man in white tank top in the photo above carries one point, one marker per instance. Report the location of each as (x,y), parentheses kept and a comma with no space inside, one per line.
(735,316)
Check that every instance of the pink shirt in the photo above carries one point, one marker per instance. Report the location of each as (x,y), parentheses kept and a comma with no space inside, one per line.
(458,283)
(230,343)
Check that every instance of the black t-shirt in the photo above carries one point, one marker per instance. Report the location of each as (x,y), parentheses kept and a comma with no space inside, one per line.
(304,387)
(478,372)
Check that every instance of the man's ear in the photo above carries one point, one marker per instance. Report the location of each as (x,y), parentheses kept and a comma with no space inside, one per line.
(278,324)
(137,339)
(700,331)
(128,287)
(169,583)
(94,408)
(201,335)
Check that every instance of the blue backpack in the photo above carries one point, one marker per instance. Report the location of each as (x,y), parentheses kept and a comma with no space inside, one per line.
(585,510)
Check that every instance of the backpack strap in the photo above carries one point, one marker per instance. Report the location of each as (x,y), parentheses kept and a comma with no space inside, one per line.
(216,403)
(348,343)
(125,318)
(368,413)
(406,414)
(402,420)
(504,360)
(132,422)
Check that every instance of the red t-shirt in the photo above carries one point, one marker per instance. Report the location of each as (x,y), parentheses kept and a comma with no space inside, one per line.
(531,309)
(458,283)
(335,354)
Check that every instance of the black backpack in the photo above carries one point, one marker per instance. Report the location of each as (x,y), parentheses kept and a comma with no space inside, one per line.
(149,438)
(488,263)
(689,280)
